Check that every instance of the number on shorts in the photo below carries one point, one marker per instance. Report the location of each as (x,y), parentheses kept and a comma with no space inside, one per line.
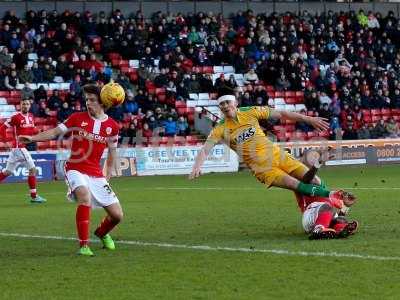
(108,189)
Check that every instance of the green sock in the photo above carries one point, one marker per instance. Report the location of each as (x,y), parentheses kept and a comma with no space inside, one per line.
(312,190)
(323,184)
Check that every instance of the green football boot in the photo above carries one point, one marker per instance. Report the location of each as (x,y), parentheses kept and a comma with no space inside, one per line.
(108,242)
(38,199)
(85,251)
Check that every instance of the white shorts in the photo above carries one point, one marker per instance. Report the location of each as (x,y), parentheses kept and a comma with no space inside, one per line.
(100,190)
(310,215)
(19,156)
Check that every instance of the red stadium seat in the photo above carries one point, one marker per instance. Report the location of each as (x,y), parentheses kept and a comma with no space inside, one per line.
(367,118)
(269,88)
(207,70)
(366,112)
(180,104)
(386,112)
(4,94)
(160,91)
(376,118)
(291,100)
(376,112)
(43,145)
(395,112)
(192,140)
(190,110)
(181,111)
(396,118)
(325,134)
(39,121)
(290,94)
(279,94)
(179,140)
(312,134)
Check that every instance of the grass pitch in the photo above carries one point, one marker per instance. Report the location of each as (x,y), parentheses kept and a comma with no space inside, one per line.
(229,211)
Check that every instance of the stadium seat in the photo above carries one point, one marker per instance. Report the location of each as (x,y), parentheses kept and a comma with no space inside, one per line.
(366,112)
(269,88)
(367,118)
(179,140)
(181,111)
(386,112)
(218,69)
(204,96)
(289,94)
(191,140)
(290,107)
(43,145)
(279,94)
(291,100)
(279,101)
(39,121)
(207,70)
(376,112)
(179,104)
(300,107)
(324,134)
(375,118)
(312,134)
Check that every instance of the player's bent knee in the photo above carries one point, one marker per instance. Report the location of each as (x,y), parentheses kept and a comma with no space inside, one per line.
(118,217)
(82,195)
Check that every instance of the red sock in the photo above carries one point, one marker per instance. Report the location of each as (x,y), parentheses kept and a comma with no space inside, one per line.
(2,176)
(105,227)
(338,227)
(32,185)
(324,218)
(83,223)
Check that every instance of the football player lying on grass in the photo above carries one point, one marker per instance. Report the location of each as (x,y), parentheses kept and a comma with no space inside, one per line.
(324,218)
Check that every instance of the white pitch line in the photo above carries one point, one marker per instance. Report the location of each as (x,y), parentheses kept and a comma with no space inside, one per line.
(188,188)
(210,248)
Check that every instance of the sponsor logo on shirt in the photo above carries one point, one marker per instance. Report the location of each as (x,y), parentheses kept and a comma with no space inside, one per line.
(93,137)
(245,135)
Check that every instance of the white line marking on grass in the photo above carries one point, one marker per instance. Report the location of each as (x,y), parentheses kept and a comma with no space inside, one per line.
(188,188)
(210,248)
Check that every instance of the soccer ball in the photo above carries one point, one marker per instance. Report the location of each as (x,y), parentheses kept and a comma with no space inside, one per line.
(112,94)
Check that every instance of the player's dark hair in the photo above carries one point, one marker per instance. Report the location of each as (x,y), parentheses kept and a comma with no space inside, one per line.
(225,91)
(92,89)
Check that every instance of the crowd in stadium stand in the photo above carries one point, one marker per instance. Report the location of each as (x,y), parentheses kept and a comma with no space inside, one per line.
(347,64)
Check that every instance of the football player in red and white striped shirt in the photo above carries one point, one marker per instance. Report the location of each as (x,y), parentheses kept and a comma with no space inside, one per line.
(22,124)
(92,132)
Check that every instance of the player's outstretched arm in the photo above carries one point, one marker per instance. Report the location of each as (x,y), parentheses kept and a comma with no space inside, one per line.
(200,158)
(316,122)
(42,136)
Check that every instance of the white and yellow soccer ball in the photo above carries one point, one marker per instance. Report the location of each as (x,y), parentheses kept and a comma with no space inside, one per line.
(112,94)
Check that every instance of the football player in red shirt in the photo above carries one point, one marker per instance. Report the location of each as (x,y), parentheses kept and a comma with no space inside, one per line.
(324,218)
(22,124)
(92,132)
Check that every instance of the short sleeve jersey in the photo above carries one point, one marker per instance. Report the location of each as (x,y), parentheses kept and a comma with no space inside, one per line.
(23,124)
(244,134)
(90,137)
